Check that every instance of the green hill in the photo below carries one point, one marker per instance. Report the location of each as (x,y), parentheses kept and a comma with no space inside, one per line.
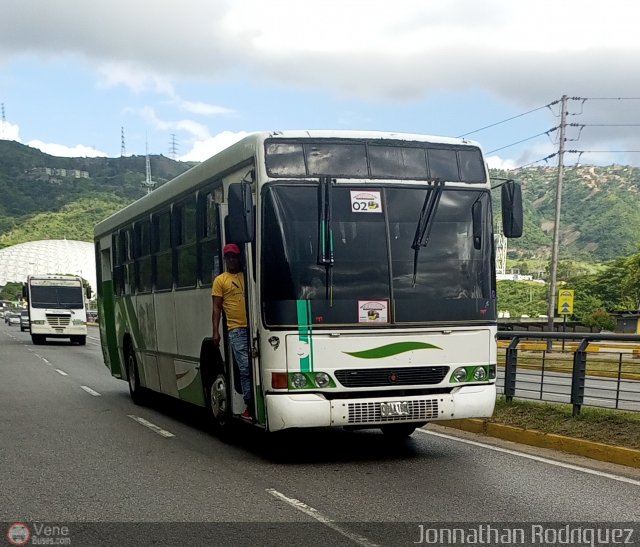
(600,217)
(46,196)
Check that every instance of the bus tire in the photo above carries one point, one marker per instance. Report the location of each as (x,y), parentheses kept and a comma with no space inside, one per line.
(133,378)
(38,339)
(218,402)
(82,340)
(399,431)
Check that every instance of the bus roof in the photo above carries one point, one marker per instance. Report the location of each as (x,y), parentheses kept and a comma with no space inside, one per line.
(53,276)
(244,151)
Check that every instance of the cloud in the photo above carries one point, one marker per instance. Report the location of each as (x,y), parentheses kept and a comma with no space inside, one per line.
(9,132)
(496,162)
(204,109)
(514,49)
(523,53)
(204,149)
(61,150)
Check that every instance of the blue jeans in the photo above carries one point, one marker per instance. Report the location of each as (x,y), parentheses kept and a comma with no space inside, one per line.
(239,342)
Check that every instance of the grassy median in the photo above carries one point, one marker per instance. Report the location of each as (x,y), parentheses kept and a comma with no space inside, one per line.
(614,427)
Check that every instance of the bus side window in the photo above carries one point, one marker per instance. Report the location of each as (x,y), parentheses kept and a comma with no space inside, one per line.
(128,274)
(208,239)
(142,246)
(184,233)
(162,252)
(118,261)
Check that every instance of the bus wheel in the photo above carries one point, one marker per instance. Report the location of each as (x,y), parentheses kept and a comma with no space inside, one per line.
(133,378)
(398,431)
(82,340)
(219,403)
(37,339)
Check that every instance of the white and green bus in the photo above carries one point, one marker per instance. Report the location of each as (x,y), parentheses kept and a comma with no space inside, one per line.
(371,289)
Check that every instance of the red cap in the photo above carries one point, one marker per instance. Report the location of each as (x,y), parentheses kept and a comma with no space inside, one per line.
(231,248)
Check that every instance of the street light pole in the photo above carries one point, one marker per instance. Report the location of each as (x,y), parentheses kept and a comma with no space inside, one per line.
(556,226)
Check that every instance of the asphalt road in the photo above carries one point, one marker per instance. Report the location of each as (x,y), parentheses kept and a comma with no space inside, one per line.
(74,450)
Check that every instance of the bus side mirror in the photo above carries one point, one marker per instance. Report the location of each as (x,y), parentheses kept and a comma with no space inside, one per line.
(88,292)
(25,292)
(241,220)
(512,215)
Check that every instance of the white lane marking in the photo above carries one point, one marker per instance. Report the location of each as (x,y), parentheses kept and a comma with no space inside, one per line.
(37,355)
(61,372)
(152,427)
(48,363)
(314,513)
(92,343)
(90,391)
(535,458)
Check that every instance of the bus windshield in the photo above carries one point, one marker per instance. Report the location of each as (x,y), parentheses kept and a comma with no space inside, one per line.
(371,276)
(56,297)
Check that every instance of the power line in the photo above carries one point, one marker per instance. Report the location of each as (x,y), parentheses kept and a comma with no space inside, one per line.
(608,98)
(604,124)
(523,140)
(537,161)
(602,151)
(508,119)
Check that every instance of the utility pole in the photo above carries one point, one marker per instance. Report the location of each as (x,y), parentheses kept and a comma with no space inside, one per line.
(173,146)
(123,148)
(556,226)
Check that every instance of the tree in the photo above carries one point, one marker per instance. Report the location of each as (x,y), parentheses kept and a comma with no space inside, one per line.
(631,282)
(600,319)
(11,291)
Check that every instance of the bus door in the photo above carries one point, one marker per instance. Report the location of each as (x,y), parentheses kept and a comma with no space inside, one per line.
(106,306)
(227,354)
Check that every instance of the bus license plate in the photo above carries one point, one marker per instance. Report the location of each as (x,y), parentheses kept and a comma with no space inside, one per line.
(59,330)
(398,408)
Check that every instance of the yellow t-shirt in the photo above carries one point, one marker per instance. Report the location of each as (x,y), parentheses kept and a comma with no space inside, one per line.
(231,288)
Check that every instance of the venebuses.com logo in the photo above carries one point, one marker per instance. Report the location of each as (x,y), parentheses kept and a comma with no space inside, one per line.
(18,533)
(38,533)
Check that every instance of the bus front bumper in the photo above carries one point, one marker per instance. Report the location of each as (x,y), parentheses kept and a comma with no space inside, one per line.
(290,410)
(60,332)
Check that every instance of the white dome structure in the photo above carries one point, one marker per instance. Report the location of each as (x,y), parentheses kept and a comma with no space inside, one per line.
(49,256)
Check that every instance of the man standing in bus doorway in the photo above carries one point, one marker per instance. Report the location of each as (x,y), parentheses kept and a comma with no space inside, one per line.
(229,296)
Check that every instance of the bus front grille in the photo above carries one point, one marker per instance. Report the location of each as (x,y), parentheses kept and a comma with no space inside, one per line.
(410,376)
(58,320)
(367,413)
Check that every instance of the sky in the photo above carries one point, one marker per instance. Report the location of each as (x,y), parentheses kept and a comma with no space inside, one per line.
(186,79)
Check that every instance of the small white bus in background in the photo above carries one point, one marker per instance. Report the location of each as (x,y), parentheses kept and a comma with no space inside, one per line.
(56,308)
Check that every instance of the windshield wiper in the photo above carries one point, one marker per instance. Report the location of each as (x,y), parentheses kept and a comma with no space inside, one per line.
(425,223)
(325,233)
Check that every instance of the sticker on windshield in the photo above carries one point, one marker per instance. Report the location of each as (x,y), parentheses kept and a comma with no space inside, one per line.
(364,201)
(373,311)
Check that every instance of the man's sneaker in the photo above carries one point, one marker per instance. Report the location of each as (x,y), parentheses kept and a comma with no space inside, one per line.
(246,416)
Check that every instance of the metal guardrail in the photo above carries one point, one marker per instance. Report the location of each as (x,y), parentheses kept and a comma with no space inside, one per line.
(616,387)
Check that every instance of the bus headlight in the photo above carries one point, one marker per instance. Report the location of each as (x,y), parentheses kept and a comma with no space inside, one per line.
(459,375)
(322,379)
(78,322)
(299,380)
(479,374)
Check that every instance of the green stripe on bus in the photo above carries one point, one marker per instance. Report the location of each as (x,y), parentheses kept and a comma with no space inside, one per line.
(107,325)
(193,393)
(304,333)
(390,349)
